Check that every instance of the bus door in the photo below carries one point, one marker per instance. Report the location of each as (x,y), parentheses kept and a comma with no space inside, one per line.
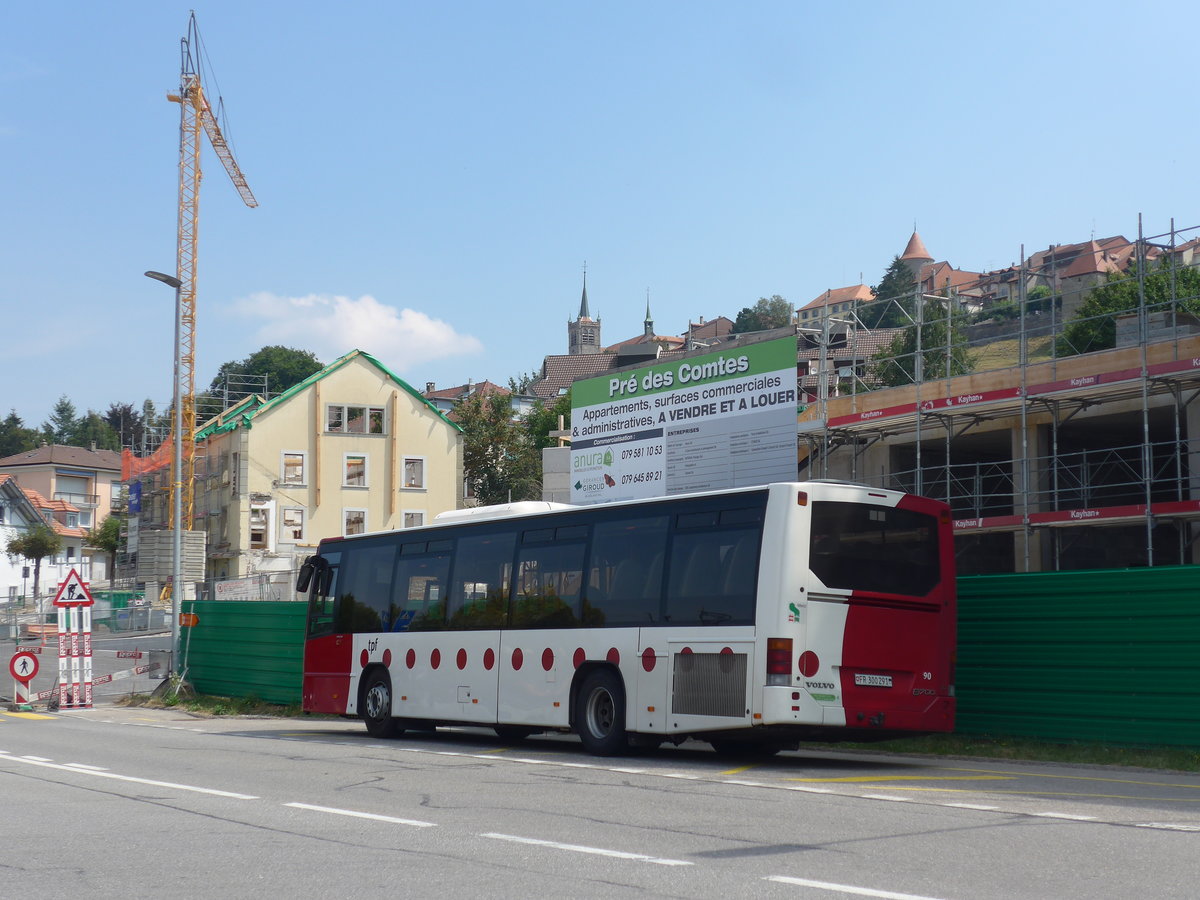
(546,612)
(470,648)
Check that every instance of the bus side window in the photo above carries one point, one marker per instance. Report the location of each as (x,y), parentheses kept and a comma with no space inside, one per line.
(625,572)
(480,582)
(713,576)
(365,593)
(549,582)
(420,596)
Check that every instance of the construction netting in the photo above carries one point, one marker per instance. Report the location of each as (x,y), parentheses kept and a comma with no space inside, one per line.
(135,466)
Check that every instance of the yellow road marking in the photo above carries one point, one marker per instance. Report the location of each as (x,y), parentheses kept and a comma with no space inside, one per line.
(868,779)
(1086,778)
(1021,793)
(740,769)
(26,715)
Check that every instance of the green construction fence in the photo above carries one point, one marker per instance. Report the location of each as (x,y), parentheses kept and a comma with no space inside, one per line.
(252,648)
(1110,656)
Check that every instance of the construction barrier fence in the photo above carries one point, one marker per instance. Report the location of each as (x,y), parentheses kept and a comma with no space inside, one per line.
(239,648)
(1109,656)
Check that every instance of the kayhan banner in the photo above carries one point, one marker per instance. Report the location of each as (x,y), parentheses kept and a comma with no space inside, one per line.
(721,420)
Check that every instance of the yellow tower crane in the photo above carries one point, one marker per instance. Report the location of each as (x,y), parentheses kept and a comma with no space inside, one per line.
(195,116)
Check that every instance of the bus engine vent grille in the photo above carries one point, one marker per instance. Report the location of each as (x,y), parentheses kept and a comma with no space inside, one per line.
(710,684)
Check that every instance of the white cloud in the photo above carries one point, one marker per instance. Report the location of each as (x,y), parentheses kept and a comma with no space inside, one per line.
(331,326)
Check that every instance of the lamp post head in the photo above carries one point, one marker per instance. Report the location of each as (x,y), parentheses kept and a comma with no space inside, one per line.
(165,279)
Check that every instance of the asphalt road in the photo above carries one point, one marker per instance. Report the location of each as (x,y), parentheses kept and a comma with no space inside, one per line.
(112,801)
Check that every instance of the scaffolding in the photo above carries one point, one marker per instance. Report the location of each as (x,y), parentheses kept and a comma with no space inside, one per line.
(146,471)
(1049,403)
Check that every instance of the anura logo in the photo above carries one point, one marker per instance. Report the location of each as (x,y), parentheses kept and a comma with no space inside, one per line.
(592,460)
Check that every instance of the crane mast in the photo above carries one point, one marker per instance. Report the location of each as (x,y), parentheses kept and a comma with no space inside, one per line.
(196,116)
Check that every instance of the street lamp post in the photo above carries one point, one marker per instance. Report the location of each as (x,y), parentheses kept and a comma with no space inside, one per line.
(177,468)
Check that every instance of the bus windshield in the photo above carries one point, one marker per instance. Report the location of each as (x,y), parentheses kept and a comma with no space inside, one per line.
(874,548)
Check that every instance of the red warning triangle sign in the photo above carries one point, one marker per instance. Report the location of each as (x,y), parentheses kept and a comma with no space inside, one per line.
(73,592)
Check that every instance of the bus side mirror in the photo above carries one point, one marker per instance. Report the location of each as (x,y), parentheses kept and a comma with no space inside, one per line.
(304,578)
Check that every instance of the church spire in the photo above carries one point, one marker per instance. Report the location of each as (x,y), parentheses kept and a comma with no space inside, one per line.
(649,323)
(583,304)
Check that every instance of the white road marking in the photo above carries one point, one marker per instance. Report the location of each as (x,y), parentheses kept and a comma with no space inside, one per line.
(595,851)
(95,773)
(846,888)
(1167,826)
(886,797)
(972,806)
(362,815)
(87,767)
(1068,816)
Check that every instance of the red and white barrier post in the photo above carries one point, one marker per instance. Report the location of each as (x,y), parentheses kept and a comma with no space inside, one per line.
(74,603)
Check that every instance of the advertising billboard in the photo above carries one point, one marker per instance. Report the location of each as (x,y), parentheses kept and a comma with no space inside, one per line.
(719,420)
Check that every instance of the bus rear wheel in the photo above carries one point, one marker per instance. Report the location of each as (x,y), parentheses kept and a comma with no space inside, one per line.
(600,720)
(377,707)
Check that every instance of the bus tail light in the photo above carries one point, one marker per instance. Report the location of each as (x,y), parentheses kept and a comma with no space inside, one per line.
(779,661)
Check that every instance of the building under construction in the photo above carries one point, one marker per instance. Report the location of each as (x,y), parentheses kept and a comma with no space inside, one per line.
(1050,403)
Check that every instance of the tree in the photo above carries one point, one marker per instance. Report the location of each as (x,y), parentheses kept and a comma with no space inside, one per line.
(500,462)
(107,537)
(34,544)
(943,350)
(90,429)
(1039,300)
(60,428)
(542,419)
(282,368)
(127,422)
(156,426)
(892,305)
(519,384)
(1094,326)
(773,312)
(15,437)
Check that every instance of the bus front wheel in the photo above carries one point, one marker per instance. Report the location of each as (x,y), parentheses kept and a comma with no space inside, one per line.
(600,721)
(377,707)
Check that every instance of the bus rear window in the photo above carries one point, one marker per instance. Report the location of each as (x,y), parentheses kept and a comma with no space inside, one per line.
(860,547)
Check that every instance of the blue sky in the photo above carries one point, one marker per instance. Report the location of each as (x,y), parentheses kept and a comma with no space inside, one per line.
(432,177)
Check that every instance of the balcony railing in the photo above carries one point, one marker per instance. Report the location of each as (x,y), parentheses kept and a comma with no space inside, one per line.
(78,499)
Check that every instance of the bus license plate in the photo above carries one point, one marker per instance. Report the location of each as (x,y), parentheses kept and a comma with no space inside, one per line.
(872,680)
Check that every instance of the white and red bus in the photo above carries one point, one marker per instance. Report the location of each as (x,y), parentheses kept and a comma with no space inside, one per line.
(751,618)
